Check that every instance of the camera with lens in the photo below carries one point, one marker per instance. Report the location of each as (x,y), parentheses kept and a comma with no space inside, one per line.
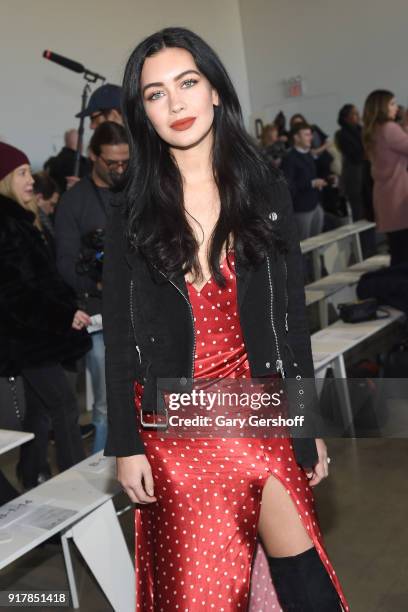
(90,265)
(90,260)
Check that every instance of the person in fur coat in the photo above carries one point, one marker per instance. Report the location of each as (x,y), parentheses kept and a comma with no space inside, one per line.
(41,327)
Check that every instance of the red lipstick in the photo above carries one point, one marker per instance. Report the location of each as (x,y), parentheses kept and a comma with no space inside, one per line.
(183,124)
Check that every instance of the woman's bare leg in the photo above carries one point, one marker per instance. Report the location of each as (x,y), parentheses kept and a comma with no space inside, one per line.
(280,528)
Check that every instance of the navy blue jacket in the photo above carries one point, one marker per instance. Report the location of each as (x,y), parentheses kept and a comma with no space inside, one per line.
(300,171)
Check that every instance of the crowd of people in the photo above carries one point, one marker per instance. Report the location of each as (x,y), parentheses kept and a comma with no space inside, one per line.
(359,173)
(52,228)
(51,249)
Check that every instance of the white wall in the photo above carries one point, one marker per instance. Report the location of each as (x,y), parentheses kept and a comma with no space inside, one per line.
(343,49)
(39,99)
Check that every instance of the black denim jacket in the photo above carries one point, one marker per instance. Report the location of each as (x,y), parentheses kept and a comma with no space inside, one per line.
(149,327)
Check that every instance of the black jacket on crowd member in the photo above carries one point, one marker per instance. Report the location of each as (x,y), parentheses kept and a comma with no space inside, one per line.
(324,160)
(349,141)
(149,331)
(80,211)
(63,164)
(300,170)
(36,306)
(367,192)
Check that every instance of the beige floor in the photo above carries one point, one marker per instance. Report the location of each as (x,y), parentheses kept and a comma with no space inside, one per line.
(363,510)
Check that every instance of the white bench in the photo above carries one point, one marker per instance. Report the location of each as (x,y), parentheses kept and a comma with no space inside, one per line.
(325,239)
(317,245)
(77,504)
(10,439)
(330,344)
(327,287)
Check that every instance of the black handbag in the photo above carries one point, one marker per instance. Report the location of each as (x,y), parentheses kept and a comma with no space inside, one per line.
(361,310)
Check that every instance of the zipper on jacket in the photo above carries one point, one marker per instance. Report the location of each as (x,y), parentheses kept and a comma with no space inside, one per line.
(132,319)
(279,362)
(286,295)
(192,319)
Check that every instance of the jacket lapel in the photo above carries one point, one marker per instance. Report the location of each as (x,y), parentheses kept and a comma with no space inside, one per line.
(244,274)
(180,282)
(157,275)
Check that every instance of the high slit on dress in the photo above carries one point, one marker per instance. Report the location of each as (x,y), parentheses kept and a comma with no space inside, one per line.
(195,547)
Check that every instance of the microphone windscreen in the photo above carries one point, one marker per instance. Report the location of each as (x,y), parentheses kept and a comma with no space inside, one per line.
(63,61)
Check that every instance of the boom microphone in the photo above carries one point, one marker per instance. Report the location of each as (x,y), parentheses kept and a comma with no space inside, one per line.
(64,61)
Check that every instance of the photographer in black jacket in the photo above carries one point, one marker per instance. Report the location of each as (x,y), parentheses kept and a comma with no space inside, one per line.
(79,230)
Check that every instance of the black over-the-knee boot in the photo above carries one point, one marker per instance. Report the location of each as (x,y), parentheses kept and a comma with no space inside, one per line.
(303,584)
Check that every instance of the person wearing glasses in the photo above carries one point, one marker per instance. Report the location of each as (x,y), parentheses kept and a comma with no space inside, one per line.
(103,105)
(79,229)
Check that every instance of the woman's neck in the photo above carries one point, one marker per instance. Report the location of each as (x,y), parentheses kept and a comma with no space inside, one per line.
(195,163)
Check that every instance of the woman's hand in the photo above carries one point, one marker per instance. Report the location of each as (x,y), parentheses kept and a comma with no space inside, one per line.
(321,149)
(321,469)
(81,320)
(135,475)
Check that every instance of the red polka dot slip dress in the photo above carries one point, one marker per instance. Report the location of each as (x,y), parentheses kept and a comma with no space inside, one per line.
(196,548)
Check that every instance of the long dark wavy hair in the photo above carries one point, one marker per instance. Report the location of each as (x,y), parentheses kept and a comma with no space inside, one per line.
(157,223)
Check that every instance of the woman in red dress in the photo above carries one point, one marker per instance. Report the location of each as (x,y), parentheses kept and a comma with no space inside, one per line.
(197,285)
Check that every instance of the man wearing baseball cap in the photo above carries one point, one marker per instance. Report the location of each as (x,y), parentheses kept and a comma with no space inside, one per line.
(104,105)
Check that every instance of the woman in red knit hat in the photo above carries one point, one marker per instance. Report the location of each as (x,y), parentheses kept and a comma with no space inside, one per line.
(40,324)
